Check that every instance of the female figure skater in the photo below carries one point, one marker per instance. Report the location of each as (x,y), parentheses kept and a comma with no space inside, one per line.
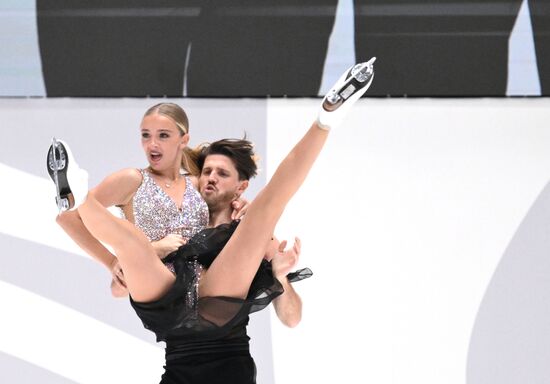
(226,168)
(160,200)
(216,278)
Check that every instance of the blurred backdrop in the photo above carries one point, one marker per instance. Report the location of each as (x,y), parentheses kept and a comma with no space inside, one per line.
(425,220)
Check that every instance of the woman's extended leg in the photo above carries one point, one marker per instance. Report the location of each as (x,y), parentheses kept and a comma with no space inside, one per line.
(146,277)
(233,270)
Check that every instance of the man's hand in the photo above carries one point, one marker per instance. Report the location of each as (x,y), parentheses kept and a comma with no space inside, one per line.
(284,260)
(168,244)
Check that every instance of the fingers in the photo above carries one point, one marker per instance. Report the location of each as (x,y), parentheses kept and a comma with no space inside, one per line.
(179,240)
(119,277)
(120,280)
(240,207)
(297,245)
(236,206)
(118,289)
(282,246)
(118,274)
(175,241)
(290,256)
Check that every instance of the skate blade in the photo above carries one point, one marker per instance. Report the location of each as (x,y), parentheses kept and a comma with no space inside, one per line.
(358,77)
(57,161)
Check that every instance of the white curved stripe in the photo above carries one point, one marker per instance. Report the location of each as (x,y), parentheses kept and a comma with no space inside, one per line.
(71,344)
(523,74)
(31,221)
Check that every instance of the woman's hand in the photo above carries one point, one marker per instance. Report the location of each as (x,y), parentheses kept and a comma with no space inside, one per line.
(118,284)
(118,289)
(240,206)
(168,244)
(284,260)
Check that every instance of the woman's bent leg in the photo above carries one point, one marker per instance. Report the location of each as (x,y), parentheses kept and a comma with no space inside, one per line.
(146,277)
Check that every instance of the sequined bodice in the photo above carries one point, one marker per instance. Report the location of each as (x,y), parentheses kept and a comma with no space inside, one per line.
(156,214)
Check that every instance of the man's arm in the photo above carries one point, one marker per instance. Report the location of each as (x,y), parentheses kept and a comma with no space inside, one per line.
(288,306)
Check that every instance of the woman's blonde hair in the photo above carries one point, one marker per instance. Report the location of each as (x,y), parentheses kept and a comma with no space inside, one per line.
(179,117)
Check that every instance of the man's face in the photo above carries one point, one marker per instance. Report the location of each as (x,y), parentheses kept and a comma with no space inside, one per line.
(219,182)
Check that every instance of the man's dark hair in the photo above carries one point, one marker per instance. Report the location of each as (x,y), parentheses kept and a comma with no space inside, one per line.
(240,151)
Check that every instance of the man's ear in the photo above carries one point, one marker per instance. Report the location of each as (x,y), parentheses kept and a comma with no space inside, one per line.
(242,187)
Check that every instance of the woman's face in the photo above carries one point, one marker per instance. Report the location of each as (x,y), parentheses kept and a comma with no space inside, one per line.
(162,141)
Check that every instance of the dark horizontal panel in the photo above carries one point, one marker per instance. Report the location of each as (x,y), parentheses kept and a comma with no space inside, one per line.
(122,12)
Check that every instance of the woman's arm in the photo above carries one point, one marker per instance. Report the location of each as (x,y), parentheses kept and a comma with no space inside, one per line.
(73,226)
(116,189)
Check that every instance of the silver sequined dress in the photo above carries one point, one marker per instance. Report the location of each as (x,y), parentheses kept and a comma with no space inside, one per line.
(157,215)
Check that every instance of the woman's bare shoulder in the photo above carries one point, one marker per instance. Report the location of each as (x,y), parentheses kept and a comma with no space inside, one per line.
(119,187)
(129,174)
(131,178)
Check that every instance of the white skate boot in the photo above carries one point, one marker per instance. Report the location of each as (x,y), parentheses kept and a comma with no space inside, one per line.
(347,90)
(71,182)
